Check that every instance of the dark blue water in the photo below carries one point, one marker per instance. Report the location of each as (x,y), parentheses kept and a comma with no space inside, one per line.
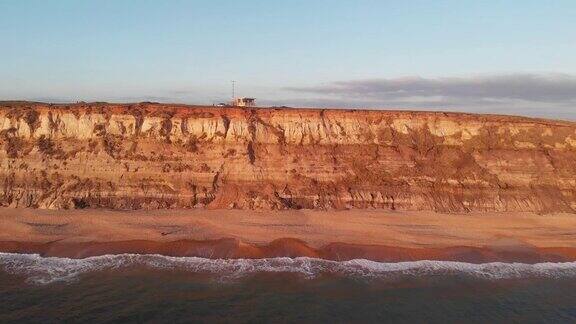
(178,290)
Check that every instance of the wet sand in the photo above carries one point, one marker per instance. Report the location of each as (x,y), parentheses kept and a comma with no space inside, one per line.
(337,235)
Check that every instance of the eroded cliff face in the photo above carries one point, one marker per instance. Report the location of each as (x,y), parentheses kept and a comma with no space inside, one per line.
(148,156)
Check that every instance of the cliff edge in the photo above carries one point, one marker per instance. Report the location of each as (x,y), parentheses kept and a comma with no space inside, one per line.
(150,156)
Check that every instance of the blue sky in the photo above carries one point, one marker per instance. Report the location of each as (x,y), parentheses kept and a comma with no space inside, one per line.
(452,55)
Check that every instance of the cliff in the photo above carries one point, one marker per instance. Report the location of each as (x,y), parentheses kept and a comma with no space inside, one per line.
(149,156)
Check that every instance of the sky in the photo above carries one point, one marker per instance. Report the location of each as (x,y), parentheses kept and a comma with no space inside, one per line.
(510,57)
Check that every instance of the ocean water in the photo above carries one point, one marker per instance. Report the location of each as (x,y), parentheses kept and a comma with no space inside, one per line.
(152,288)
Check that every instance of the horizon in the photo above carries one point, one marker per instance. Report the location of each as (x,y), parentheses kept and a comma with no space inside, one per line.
(358,109)
(513,58)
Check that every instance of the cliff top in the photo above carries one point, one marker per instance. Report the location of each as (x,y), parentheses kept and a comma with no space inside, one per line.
(184,110)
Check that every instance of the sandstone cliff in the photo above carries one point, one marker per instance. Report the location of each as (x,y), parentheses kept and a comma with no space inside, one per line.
(147,156)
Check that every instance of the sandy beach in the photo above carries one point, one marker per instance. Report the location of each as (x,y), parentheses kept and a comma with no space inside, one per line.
(371,234)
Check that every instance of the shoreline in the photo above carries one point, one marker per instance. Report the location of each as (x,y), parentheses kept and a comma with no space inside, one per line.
(292,248)
(375,235)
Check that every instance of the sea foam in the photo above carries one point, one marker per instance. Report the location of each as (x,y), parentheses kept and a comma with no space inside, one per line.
(45,270)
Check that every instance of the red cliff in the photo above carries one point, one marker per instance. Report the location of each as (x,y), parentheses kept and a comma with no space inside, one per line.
(149,156)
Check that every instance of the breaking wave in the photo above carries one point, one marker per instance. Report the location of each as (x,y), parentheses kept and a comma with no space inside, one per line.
(44,270)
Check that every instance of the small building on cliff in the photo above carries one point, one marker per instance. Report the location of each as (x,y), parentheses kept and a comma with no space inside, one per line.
(244,102)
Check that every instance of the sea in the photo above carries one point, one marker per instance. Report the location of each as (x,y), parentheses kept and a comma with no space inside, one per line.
(133,288)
